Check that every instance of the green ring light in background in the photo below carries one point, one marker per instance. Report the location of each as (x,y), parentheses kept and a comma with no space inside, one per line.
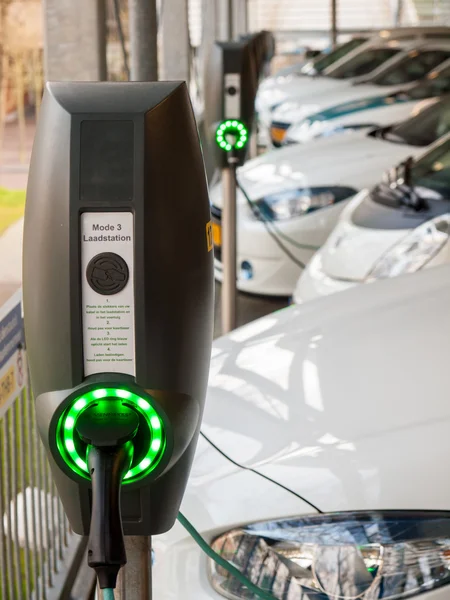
(67,422)
(235,128)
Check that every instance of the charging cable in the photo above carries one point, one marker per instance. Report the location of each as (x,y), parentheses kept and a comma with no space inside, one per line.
(222,562)
(274,232)
(107,428)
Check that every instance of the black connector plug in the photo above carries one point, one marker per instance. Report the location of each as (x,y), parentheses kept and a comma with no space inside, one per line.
(108,428)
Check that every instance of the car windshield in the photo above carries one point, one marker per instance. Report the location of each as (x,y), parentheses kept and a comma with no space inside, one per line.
(326,60)
(363,63)
(423,129)
(435,84)
(432,172)
(414,65)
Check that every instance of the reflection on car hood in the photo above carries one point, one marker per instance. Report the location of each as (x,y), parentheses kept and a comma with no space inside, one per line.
(299,108)
(296,88)
(356,106)
(362,160)
(344,400)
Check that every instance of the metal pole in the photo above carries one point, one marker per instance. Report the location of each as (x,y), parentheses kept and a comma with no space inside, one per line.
(246,14)
(143,40)
(398,13)
(135,579)
(334,30)
(229,293)
(230,20)
(102,40)
(253,142)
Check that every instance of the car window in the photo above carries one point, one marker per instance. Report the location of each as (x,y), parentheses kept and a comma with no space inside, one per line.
(363,63)
(425,128)
(414,66)
(437,36)
(433,171)
(431,87)
(323,62)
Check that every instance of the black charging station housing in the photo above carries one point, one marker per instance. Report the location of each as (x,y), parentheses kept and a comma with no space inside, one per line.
(242,65)
(121,147)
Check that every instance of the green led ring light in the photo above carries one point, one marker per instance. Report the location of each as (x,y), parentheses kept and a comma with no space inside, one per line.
(66,429)
(235,128)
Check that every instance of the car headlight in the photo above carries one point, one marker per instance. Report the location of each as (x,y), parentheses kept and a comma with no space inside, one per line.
(345,556)
(287,204)
(414,250)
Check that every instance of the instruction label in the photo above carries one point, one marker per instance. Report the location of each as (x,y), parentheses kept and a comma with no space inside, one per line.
(107,255)
(13,370)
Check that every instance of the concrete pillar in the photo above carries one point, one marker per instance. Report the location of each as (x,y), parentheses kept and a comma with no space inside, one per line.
(222,19)
(175,41)
(74,40)
(239,18)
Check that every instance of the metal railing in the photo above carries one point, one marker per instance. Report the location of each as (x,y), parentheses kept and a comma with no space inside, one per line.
(39,554)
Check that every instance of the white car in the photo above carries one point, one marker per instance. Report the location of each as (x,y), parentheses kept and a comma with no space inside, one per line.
(400,226)
(295,195)
(376,111)
(394,75)
(359,62)
(321,469)
(267,99)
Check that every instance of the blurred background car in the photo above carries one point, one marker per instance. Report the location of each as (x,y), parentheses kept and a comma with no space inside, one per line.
(401,226)
(368,52)
(394,75)
(290,199)
(367,113)
(316,471)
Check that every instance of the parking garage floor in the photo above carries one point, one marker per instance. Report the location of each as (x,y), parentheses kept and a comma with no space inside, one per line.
(249,308)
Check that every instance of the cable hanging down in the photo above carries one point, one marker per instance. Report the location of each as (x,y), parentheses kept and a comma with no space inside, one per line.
(108,594)
(255,210)
(225,564)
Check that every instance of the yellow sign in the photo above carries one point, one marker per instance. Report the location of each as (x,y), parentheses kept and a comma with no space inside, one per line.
(209,236)
(277,134)
(217,234)
(7,385)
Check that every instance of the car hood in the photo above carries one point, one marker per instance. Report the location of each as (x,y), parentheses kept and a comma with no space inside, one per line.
(353,248)
(343,400)
(383,115)
(362,160)
(295,88)
(302,106)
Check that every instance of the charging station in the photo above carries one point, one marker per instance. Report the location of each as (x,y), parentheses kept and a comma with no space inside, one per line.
(239,87)
(118,304)
(240,77)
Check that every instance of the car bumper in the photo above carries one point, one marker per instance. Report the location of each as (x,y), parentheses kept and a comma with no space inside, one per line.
(270,277)
(314,283)
(262,266)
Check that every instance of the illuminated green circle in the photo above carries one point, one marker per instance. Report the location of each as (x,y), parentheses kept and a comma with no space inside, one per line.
(67,422)
(233,127)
